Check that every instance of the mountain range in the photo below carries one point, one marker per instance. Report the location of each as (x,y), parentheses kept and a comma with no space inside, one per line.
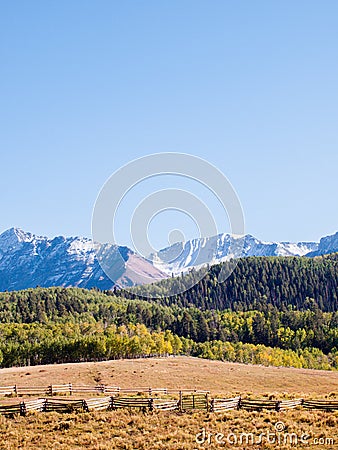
(27,260)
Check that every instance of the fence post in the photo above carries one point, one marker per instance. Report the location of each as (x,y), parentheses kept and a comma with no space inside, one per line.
(180,403)
(15,390)
(50,390)
(239,403)
(212,405)
(85,406)
(151,404)
(150,391)
(70,388)
(207,400)
(22,409)
(111,406)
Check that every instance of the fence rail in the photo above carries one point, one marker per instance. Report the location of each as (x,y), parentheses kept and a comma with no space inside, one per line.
(133,402)
(34,405)
(11,410)
(30,390)
(289,404)
(224,404)
(7,390)
(325,405)
(258,404)
(188,399)
(69,388)
(63,405)
(97,404)
(166,405)
(149,404)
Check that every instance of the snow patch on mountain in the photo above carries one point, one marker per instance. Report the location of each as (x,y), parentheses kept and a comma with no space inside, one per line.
(27,261)
(327,244)
(182,256)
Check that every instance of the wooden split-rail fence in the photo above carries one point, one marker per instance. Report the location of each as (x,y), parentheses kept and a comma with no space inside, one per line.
(69,388)
(144,399)
(144,404)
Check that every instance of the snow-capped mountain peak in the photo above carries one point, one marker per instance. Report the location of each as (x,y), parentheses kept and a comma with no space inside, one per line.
(13,238)
(185,255)
(327,244)
(27,260)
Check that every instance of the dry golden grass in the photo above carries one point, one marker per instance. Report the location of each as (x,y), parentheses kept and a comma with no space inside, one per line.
(170,430)
(179,372)
(162,431)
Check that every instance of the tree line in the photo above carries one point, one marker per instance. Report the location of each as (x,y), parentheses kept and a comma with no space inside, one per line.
(286,329)
(71,341)
(41,310)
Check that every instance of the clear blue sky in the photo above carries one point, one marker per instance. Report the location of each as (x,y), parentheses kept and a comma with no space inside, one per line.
(252,86)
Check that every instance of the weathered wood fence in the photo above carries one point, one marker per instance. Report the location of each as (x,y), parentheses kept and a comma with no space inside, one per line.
(224,404)
(145,404)
(143,400)
(321,404)
(69,389)
(193,401)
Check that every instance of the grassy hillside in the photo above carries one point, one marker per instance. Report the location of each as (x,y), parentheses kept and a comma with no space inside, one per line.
(165,431)
(224,378)
(174,431)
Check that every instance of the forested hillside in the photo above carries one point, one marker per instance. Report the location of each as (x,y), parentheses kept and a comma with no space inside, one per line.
(283,282)
(272,311)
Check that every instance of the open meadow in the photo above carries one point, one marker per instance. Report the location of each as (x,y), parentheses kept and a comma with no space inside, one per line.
(180,373)
(124,429)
